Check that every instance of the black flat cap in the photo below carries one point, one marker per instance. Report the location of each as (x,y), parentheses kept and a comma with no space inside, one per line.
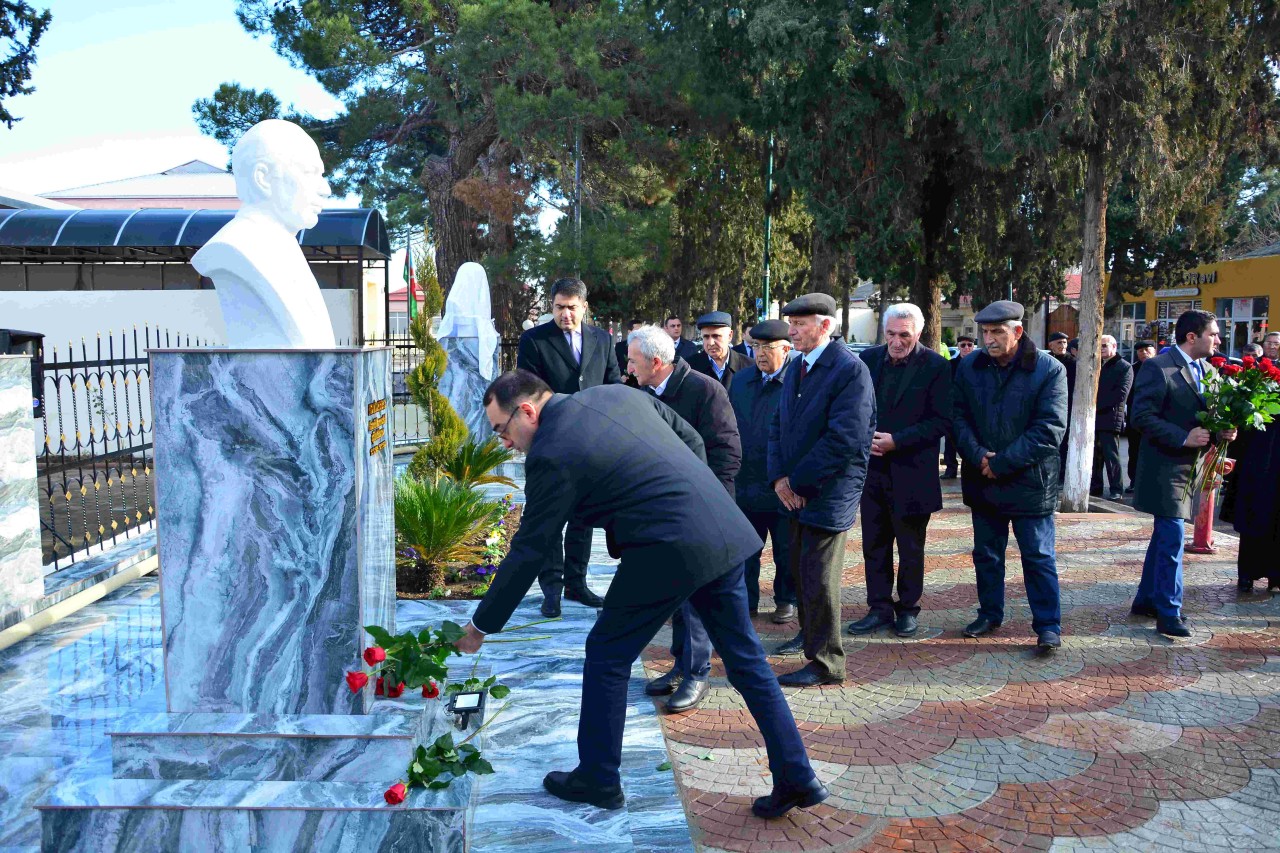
(715,318)
(964,338)
(1058,336)
(1074,343)
(771,330)
(1000,311)
(810,303)
(1144,344)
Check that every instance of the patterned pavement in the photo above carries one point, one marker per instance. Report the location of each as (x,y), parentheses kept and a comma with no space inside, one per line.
(1123,740)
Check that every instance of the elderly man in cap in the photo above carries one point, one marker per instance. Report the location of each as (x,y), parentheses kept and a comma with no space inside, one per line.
(1143,351)
(819,445)
(964,345)
(717,359)
(1010,415)
(1058,349)
(754,395)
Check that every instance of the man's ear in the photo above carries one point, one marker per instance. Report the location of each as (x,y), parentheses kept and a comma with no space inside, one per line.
(261,178)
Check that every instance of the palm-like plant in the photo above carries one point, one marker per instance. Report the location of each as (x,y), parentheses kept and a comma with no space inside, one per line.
(473,464)
(441,520)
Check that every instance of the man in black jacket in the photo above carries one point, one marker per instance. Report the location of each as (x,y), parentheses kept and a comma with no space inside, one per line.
(704,405)
(620,348)
(1142,351)
(685,348)
(1058,349)
(913,412)
(717,359)
(568,356)
(1115,378)
(965,346)
(578,449)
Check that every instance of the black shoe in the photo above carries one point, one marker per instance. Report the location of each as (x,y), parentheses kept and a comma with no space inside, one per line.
(905,625)
(794,646)
(664,685)
(582,595)
(783,614)
(1115,496)
(1273,586)
(1129,490)
(1173,629)
(1049,640)
(1244,587)
(569,787)
(981,625)
(551,604)
(688,695)
(870,623)
(809,676)
(782,800)
(949,474)
(1143,610)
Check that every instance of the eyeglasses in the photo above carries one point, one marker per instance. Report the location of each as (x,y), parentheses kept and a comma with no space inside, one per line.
(965,345)
(774,345)
(501,432)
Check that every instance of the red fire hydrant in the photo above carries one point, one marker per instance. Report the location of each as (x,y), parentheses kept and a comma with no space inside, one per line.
(1203,507)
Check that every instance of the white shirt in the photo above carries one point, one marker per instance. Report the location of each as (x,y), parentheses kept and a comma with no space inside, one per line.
(662,386)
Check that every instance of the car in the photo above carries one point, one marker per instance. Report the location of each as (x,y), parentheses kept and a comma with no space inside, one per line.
(954,352)
(858,346)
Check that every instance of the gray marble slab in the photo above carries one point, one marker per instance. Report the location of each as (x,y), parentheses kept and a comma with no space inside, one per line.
(274,512)
(21,572)
(463,384)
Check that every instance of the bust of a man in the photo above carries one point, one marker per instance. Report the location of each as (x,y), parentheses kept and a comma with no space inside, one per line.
(268,294)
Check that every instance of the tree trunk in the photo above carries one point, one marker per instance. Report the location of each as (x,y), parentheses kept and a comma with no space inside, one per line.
(1075,492)
(926,294)
(453,225)
(739,302)
(846,291)
(823,263)
(884,303)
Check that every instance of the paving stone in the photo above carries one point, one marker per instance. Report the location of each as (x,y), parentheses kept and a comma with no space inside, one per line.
(1189,707)
(907,790)
(1009,759)
(1102,731)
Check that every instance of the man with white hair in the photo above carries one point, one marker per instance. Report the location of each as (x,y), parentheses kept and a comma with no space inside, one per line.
(913,413)
(1115,378)
(1010,415)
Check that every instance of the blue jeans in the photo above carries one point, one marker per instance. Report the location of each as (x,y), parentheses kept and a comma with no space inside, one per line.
(1161,584)
(620,635)
(778,528)
(1039,566)
(690,645)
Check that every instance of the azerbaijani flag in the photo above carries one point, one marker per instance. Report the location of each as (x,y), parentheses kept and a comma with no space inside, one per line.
(411,281)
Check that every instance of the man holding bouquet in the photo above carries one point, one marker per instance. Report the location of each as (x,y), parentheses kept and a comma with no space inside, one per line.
(1166,401)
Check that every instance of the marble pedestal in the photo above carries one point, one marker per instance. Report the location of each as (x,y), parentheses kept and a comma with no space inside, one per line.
(464,385)
(21,574)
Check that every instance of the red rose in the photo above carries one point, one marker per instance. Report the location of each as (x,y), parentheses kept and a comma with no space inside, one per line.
(375,655)
(1249,361)
(1217,361)
(1265,362)
(357,680)
(394,692)
(430,690)
(395,794)
(1231,369)
(377,688)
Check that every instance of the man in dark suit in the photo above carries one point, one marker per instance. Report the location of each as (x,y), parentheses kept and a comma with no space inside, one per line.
(746,346)
(685,348)
(568,356)
(620,348)
(704,405)
(819,444)
(717,359)
(1169,394)
(755,394)
(1142,352)
(1058,349)
(578,449)
(965,345)
(1115,378)
(913,411)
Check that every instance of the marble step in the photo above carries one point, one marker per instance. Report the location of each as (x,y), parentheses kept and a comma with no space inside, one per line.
(125,815)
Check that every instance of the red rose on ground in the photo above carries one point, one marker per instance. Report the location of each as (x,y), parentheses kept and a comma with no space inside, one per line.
(1217,361)
(357,680)
(377,688)
(395,794)
(394,692)
(430,690)
(1249,361)
(375,655)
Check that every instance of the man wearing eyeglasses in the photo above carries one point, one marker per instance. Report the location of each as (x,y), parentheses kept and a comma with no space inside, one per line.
(950,461)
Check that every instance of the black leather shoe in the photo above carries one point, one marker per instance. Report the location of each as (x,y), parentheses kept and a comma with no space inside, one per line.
(783,614)
(582,595)
(569,787)
(688,695)
(1173,629)
(1244,587)
(1143,610)
(810,676)
(906,625)
(1048,641)
(981,625)
(664,685)
(794,646)
(782,800)
(870,623)
(949,474)
(551,604)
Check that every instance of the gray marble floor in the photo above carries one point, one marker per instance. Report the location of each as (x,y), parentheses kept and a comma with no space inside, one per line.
(64,688)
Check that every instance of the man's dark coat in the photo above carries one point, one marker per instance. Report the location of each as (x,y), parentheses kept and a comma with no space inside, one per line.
(545,351)
(705,406)
(702,363)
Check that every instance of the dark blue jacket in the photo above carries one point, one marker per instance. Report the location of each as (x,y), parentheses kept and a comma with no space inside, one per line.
(754,405)
(1020,414)
(821,436)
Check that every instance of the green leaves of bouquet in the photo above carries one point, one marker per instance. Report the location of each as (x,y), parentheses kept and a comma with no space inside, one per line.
(417,659)
(441,763)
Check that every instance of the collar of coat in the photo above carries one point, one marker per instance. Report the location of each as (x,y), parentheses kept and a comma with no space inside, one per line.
(1025,358)
(680,369)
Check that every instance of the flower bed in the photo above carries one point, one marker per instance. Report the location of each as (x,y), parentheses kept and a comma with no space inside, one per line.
(464,580)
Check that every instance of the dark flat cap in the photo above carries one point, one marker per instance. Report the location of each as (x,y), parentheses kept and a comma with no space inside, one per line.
(1058,336)
(810,303)
(964,338)
(771,330)
(1144,344)
(715,318)
(1074,343)
(1000,311)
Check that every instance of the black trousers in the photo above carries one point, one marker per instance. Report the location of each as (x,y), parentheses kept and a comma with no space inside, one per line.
(949,459)
(569,571)
(1259,558)
(1135,442)
(777,527)
(881,527)
(817,564)
(1106,454)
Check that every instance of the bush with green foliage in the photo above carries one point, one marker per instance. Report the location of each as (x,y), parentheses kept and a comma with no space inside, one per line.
(439,521)
(448,431)
(473,464)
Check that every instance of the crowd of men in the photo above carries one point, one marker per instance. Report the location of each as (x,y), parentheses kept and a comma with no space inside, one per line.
(799,433)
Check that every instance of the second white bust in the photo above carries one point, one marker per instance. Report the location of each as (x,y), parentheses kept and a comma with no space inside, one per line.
(268,294)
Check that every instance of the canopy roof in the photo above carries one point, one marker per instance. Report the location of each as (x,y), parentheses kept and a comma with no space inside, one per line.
(154,235)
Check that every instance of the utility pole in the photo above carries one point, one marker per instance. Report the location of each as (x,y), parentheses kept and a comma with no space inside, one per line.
(768,229)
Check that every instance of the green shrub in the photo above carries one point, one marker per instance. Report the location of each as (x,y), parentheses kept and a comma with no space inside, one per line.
(448,431)
(441,521)
(473,463)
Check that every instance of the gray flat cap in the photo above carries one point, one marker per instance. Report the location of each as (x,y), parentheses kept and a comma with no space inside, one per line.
(1000,311)
(810,303)
(771,330)
(715,318)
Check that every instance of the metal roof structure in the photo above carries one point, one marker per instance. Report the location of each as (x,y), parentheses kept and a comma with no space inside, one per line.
(195,178)
(160,235)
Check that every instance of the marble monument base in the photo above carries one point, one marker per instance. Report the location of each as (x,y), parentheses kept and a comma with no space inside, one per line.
(21,567)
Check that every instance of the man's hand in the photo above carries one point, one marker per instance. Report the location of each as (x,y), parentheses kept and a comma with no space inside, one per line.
(1227,434)
(882,443)
(986,465)
(1198,437)
(470,642)
(789,499)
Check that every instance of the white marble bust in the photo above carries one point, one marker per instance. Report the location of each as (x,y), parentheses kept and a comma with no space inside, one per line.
(268,294)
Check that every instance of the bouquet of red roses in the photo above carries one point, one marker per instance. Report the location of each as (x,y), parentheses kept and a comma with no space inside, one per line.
(1236,396)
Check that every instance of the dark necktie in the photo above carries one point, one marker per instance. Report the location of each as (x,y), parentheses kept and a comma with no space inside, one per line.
(804,369)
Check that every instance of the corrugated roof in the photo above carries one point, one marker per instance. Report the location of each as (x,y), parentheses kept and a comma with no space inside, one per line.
(12,199)
(193,179)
